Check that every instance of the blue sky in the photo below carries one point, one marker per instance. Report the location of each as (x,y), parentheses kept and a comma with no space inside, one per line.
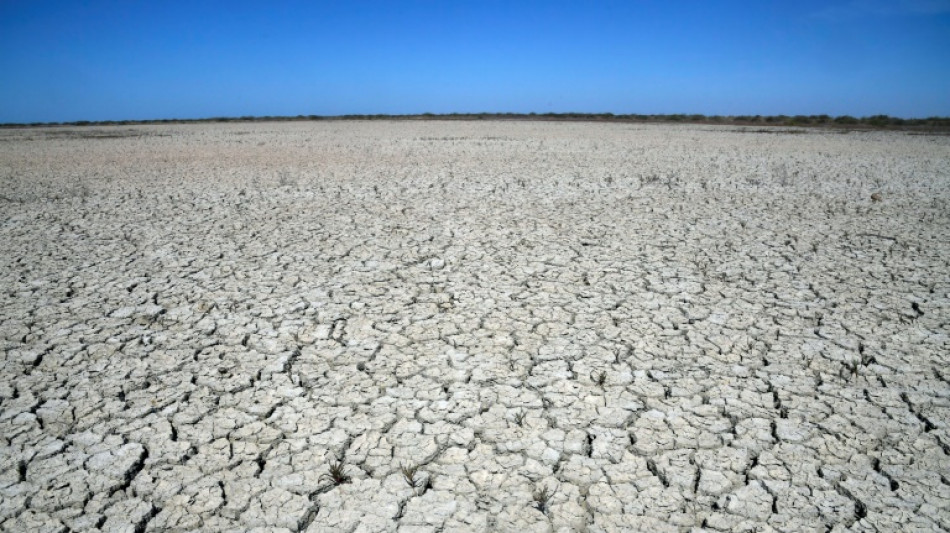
(100,60)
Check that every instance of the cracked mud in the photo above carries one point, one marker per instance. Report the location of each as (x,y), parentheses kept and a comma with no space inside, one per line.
(482,326)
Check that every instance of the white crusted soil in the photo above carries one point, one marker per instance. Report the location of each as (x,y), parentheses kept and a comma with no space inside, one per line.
(665,328)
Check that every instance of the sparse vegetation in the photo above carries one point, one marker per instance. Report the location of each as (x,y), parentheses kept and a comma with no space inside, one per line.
(409,474)
(541,498)
(600,378)
(874,121)
(337,473)
(519,417)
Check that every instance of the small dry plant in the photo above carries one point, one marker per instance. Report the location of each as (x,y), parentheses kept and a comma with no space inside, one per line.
(336,474)
(519,417)
(599,377)
(409,474)
(541,498)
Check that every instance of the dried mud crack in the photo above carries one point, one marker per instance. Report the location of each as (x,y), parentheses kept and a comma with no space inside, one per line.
(473,326)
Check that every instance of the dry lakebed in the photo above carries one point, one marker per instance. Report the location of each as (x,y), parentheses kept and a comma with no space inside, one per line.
(473,326)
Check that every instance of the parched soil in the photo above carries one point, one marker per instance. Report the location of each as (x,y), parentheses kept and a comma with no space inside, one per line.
(473,326)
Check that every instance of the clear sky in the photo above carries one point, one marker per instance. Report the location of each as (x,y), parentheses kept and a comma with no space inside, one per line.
(113,60)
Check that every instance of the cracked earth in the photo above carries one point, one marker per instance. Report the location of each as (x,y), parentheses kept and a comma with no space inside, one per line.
(560,326)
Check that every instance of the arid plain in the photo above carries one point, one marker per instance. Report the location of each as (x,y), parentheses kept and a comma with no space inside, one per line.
(473,326)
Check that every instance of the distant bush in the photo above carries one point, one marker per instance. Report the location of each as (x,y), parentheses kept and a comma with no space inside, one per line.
(878,120)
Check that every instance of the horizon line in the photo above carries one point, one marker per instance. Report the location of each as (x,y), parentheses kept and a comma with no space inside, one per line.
(879,121)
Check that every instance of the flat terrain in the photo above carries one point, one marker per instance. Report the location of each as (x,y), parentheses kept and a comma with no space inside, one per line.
(665,328)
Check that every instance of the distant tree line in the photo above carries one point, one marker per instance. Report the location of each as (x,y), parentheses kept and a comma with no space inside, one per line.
(846,121)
